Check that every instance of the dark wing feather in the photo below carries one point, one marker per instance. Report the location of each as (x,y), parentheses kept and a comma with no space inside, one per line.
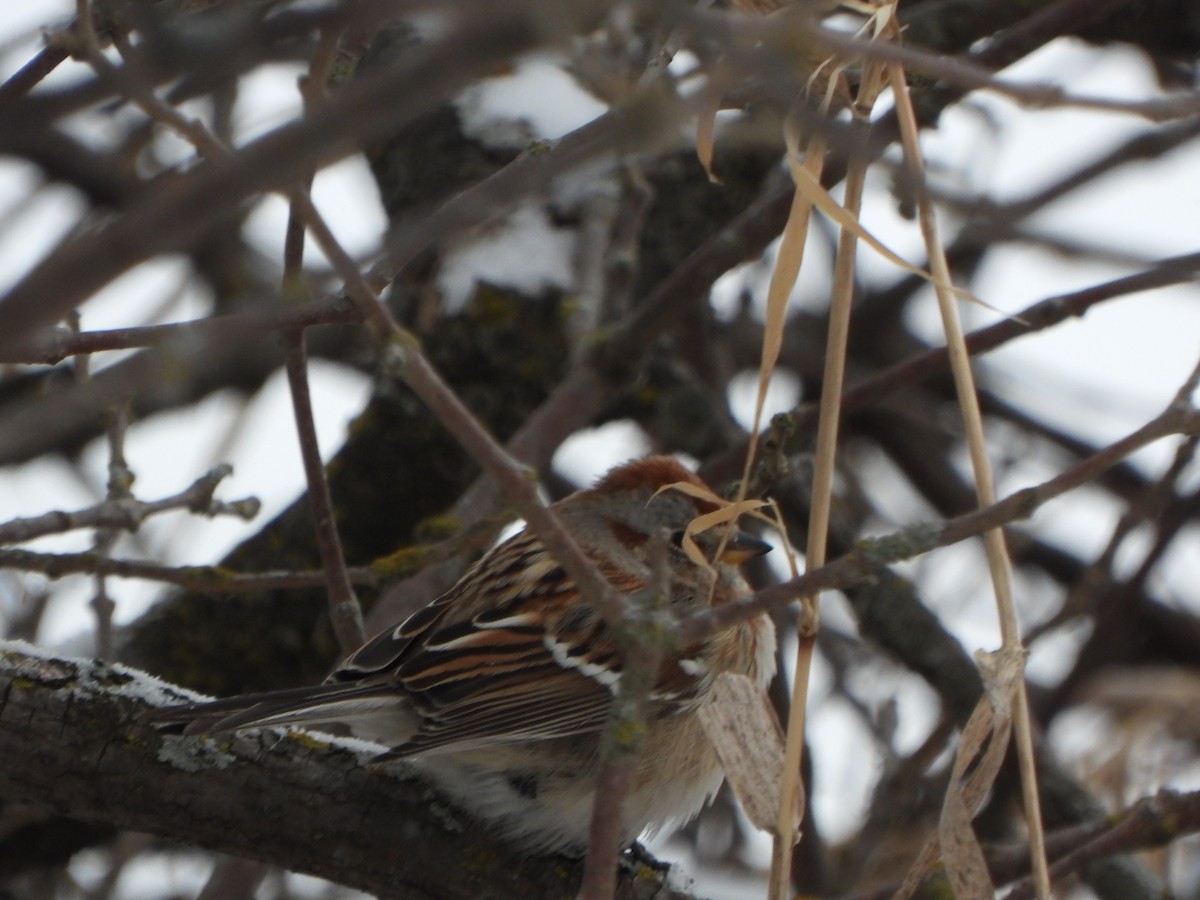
(508,655)
(483,597)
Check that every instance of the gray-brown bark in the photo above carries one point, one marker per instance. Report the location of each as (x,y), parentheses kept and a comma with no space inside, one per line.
(73,740)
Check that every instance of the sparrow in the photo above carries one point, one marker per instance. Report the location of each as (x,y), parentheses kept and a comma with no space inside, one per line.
(499,689)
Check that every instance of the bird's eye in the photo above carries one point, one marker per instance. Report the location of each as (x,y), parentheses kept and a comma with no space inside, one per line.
(677,538)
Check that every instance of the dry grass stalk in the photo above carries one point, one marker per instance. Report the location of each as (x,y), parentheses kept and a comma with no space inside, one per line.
(999,563)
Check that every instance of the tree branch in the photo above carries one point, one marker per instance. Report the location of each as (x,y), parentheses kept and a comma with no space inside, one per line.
(128,513)
(299,800)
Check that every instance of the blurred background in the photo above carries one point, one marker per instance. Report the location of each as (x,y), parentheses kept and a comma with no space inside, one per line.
(517,288)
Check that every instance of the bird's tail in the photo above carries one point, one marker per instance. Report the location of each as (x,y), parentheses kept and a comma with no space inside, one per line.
(319,704)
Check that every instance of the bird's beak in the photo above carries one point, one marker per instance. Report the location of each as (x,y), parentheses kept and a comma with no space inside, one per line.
(742,546)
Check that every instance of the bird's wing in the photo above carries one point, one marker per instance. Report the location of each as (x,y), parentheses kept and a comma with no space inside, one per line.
(509,654)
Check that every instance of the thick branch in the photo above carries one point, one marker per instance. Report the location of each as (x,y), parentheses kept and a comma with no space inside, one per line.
(301,801)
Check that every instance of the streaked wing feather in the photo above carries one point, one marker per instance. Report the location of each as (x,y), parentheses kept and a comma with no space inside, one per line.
(555,705)
(507,655)
(487,671)
(484,593)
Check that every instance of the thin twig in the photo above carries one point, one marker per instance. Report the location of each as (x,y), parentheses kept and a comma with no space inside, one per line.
(1151,822)
(577,400)
(783,32)
(642,643)
(643,124)
(30,75)
(190,206)
(1055,19)
(345,614)
(120,482)
(404,358)
(1034,318)
(864,562)
(205,579)
(219,579)
(128,513)
(1176,512)
(1159,505)
(52,345)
